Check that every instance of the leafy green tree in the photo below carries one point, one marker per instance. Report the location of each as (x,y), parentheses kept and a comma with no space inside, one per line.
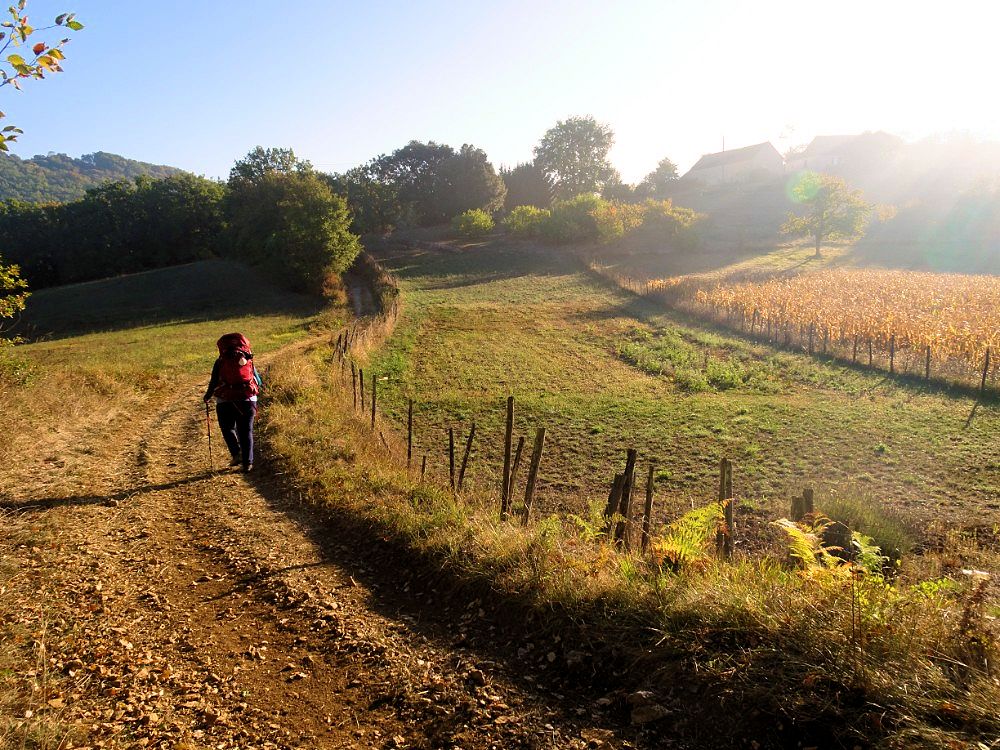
(527,185)
(293,224)
(434,182)
(414,170)
(374,203)
(574,155)
(619,192)
(657,184)
(261,162)
(833,210)
(468,181)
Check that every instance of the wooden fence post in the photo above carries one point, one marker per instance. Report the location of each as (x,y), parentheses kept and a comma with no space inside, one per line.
(647,512)
(465,456)
(812,330)
(870,359)
(892,354)
(622,532)
(614,498)
(536,458)
(409,434)
(361,384)
(808,501)
(354,384)
(374,398)
(726,500)
(516,466)
(508,438)
(423,467)
(986,371)
(451,457)
(927,364)
(854,355)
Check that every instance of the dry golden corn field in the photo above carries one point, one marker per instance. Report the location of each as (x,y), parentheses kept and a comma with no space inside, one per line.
(924,321)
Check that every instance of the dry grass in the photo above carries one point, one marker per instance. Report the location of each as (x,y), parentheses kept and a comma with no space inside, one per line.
(27,720)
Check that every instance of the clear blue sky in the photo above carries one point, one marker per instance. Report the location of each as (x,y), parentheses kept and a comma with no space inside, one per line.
(197,84)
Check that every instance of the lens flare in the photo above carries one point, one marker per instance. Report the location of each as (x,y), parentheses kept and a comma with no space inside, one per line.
(803,186)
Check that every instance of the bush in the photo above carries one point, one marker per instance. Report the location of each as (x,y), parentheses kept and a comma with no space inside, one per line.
(672,223)
(573,220)
(614,220)
(473,223)
(526,221)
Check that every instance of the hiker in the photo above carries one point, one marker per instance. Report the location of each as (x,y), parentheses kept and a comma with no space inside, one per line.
(235,384)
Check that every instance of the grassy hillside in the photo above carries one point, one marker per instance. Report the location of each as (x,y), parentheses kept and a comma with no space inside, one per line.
(584,360)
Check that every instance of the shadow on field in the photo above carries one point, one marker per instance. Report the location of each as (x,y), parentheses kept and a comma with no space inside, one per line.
(196,292)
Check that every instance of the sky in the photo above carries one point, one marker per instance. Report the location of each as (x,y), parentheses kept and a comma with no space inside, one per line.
(198,84)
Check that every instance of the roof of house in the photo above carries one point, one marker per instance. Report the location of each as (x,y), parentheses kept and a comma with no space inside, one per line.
(733,157)
(825,144)
(828,145)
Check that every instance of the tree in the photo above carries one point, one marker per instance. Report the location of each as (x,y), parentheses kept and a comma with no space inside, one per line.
(293,224)
(469,182)
(434,182)
(374,203)
(657,184)
(527,185)
(834,211)
(619,192)
(574,155)
(260,162)
(43,58)
(414,171)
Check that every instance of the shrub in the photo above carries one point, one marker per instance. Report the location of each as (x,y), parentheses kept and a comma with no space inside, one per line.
(473,223)
(573,220)
(673,223)
(526,221)
(614,220)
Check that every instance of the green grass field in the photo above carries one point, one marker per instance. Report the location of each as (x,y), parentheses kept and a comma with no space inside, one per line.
(603,371)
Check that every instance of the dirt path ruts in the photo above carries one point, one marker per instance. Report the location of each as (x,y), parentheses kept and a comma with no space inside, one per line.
(195,608)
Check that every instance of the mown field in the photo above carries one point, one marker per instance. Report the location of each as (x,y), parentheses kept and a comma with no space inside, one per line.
(602,371)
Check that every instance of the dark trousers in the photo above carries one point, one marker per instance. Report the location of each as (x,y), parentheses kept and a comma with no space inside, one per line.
(236,422)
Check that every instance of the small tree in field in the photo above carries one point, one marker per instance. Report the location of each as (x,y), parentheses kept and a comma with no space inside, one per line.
(834,211)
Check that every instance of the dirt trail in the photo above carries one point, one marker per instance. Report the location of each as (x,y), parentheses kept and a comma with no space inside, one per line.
(193,608)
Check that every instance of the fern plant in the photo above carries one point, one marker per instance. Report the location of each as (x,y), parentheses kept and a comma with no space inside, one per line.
(689,538)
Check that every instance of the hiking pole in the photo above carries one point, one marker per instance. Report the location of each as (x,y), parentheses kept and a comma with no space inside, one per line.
(208,429)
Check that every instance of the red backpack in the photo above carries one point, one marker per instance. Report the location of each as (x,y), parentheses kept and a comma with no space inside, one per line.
(238,379)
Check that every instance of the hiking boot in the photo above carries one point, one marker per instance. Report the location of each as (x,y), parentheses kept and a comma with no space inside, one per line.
(247,468)
(234,461)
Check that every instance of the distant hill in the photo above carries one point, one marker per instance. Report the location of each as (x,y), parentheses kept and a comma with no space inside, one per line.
(58,177)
